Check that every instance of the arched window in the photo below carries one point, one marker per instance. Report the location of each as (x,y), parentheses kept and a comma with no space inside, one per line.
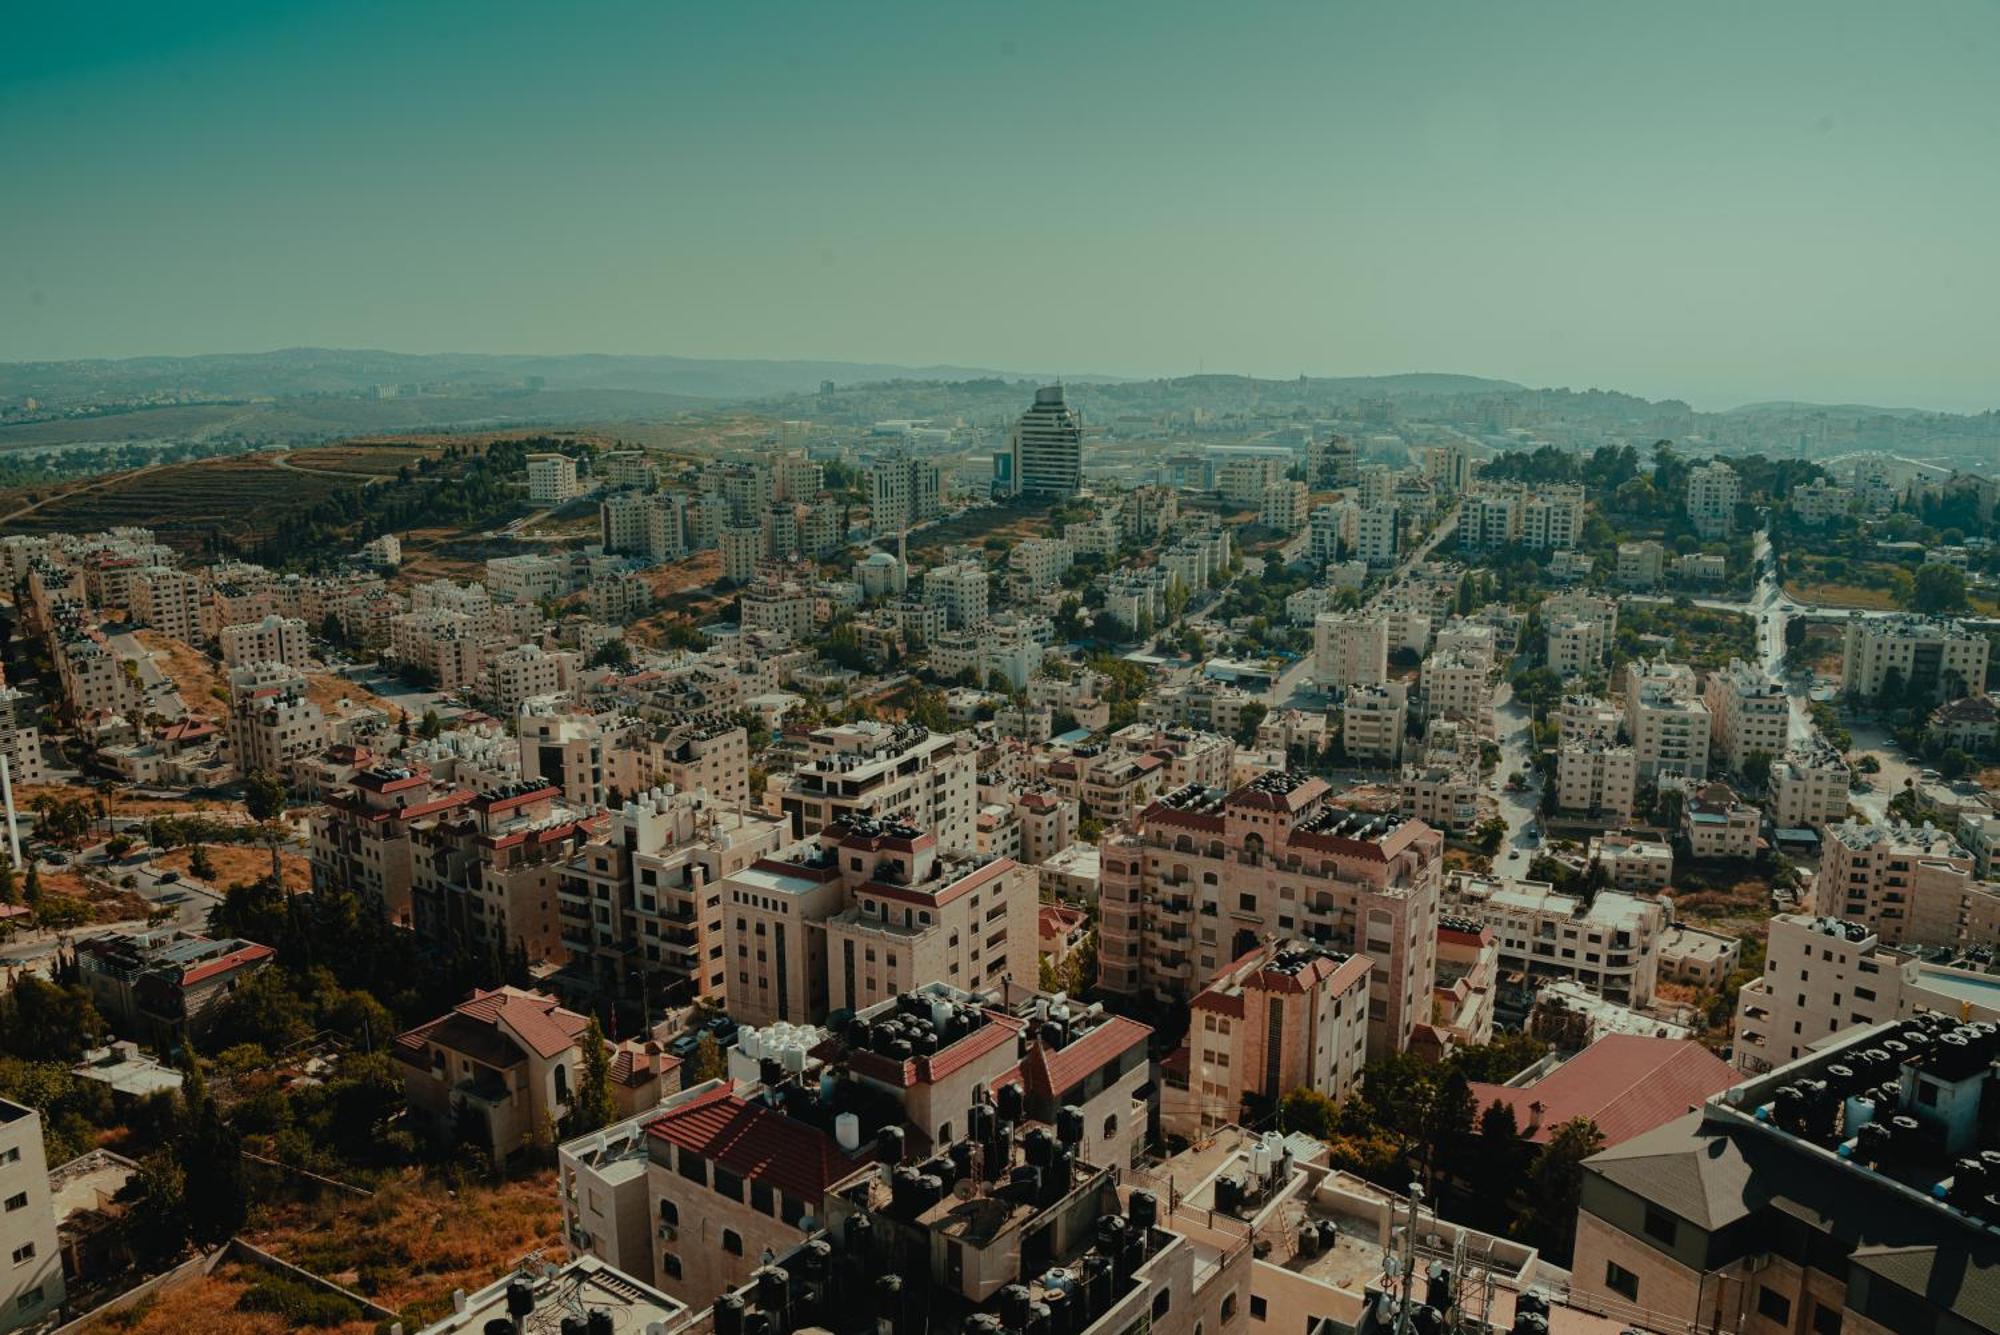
(562,1083)
(669,1212)
(1111,1126)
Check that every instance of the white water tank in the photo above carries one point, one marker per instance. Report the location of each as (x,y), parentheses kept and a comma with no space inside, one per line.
(847,1132)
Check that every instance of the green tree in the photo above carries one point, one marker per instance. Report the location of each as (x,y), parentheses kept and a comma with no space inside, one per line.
(200,865)
(431,726)
(709,1063)
(595,1107)
(1554,1184)
(45,1021)
(1310,1112)
(613,653)
(1938,588)
(1253,715)
(264,800)
(159,1219)
(211,1154)
(1757,768)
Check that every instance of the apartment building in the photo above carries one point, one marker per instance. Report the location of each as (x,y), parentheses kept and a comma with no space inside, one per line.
(1739,1215)
(1717,824)
(1582,716)
(1641,565)
(1205,876)
(158,988)
(1377,534)
(1444,796)
(273,723)
(169,601)
(1374,722)
(853,916)
(1632,862)
(1820,500)
(1580,630)
(1283,506)
(1697,958)
(779,608)
(918,917)
(442,645)
(1500,515)
(1290,1015)
(1669,728)
(1458,685)
(1713,489)
(551,479)
(1037,565)
(1597,779)
(961,589)
(1939,659)
(1809,785)
(526,672)
(1610,946)
(361,835)
(742,546)
(485,872)
(904,491)
(902,772)
(694,753)
(1912,885)
(32,1291)
(642,913)
(1823,975)
(20,738)
(1748,714)
(1350,649)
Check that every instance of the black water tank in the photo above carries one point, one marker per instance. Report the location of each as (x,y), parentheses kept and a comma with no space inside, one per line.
(729,1314)
(520,1297)
(1228,1194)
(1009,1100)
(498,1325)
(1144,1209)
(1024,1184)
(1061,1312)
(573,1325)
(1308,1240)
(1069,1124)
(1014,1300)
(891,1143)
(599,1322)
(1038,1146)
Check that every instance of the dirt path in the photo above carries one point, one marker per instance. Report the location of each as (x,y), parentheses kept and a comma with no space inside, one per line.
(93,485)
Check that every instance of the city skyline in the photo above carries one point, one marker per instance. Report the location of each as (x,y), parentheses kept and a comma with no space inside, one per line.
(1715,206)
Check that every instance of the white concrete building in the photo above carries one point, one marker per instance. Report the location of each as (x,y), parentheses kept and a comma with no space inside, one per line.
(1350,649)
(961,589)
(1940,658)
(1713,490)
(1748,713)
(1809,786)
(275,639)
(551,478)
(1374,721)
(31,1288)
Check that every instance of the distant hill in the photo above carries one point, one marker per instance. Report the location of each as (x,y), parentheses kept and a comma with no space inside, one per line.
(1799,408)
(294,372)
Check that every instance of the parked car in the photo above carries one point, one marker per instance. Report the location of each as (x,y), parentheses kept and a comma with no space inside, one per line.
(169,877)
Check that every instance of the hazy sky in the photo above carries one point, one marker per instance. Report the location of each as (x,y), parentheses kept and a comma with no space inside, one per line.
(1720,202)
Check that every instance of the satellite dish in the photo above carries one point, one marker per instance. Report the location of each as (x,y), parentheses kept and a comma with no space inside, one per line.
(965,1189)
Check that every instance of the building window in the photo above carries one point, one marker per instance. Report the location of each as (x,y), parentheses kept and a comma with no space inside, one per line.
(672,1265)
(1659,1224)
(1621,1281)
(732,1242)
(18,1201)
(1826,1320)
(669,1212)
(1111,1126)
(24,1252)
(1256,1308)
(1772,1305)
(33,1298)
(1228,1307)
(1161,1302)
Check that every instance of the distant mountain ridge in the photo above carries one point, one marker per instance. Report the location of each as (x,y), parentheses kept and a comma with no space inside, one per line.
(1795,407)
(297,371)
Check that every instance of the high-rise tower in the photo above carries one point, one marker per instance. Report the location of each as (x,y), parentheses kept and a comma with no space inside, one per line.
(1047,447)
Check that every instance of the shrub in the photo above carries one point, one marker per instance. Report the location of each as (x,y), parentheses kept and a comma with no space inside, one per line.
(297,1302)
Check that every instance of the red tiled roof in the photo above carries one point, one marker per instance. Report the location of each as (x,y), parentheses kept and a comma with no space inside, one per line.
(757,1143)
(1626,1083)
(1058,922)
(244,954)
(1049,1073)
(533,1018)
(633,1064)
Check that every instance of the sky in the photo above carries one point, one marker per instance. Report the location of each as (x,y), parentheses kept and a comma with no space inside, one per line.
(1724,203)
